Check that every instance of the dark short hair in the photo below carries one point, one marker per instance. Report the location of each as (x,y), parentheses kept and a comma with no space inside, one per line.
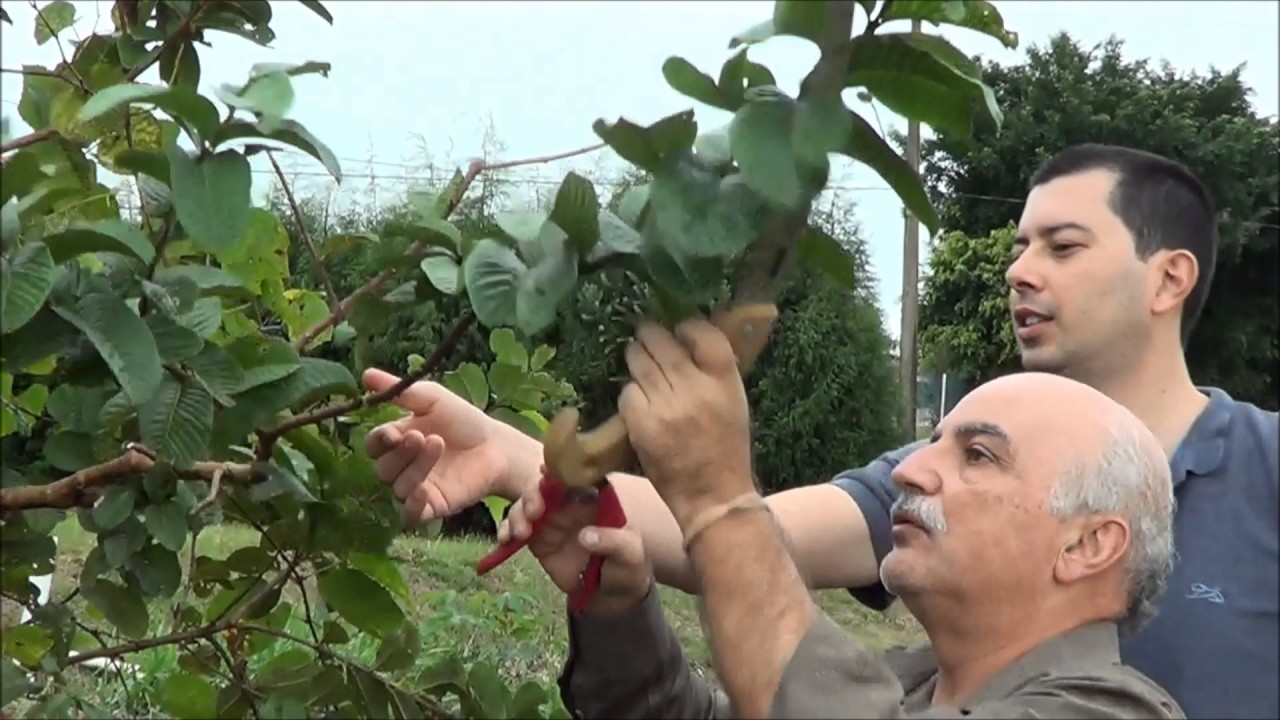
(1162,203)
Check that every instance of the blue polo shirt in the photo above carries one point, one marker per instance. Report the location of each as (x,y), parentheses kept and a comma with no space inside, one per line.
(1215,644)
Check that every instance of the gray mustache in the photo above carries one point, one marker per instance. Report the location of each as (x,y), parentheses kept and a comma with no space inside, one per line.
(922,511)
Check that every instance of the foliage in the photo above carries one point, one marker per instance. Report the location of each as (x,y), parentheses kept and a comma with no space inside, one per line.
(1066,94)
(168,371)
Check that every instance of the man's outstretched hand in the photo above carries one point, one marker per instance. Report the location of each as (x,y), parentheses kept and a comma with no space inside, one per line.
(448,454)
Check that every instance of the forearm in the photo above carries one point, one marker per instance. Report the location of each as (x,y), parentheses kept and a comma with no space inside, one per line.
(631,666)
(756,608)
(829,540)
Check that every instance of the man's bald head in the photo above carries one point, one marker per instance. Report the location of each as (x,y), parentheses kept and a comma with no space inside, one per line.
(1040,488)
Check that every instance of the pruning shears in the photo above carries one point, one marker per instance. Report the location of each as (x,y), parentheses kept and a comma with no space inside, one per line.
(577,463)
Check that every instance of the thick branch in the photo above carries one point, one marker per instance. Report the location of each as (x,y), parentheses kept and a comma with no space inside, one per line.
(268,437)
(303,341)
(317,266)
(82,487)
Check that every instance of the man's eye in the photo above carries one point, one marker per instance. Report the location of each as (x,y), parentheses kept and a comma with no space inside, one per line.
(975,454)
(1062,248)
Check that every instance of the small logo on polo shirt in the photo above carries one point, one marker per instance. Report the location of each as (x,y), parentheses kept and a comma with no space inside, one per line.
(1200,591)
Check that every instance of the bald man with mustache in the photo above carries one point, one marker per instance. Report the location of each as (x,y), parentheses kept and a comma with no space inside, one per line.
(1032,532)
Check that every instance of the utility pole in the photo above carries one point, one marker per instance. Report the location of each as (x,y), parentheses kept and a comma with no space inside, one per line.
(907,360)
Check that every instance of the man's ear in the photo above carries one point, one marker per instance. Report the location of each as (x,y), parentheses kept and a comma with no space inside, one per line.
(1177,273)
(1092,545)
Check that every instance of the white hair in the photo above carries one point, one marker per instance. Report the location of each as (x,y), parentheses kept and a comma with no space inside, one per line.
(1130,477)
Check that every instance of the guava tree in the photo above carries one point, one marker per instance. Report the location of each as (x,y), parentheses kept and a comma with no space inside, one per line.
(158,371)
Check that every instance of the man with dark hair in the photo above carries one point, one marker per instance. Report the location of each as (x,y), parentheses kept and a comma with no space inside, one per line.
(1113,259)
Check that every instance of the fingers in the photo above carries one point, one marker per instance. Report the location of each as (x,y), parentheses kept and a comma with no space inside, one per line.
(526,509)
(419,398)
(562,528)
(622,547)
(663,347)
(645,371)
(633,404)
(707,346)
(410,465)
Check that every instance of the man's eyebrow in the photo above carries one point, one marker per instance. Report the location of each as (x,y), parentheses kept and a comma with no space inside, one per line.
(977,428)
(1050,230)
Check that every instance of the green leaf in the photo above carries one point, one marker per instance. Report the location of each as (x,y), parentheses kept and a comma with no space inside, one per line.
(508,349)
(541,290)
(27,278)
(174,342)
(523,227)
(760,138)
(121,606)
(14,682)
(490,273)
(121,338)
(382,569)
(361,601)
(473,380)
(211,197)
(867,147)
(263,359)
(167,523)
(798,18)
(182,103)
(821,126)
(399,650)
(688,80)
(269,95)
(630,141)
(281,482)
(315,7)
(505,380)
(53,19)
(616,237)
(27,643)
(180,64)
(528,700)
(541,356)
(907,75)
(209,279)
(116,505)
(822,253)
(290,133)
(443,272)
(204,318)
(177,421)
(632,205)
(99,236)
(575,211)
(70,451)
(157,570)
(187,697)
(218,371)
(976,15)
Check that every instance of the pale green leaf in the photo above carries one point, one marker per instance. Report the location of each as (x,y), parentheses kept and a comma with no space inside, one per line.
(187,697)
(867,147)
(490,273)
(443,272)
(27,280)
(688,80)
(760,138)
(290,133)
(121,606)
(174,342)
(361,601)
(115,236)
(52,19)
(508,349)
(477,386)
(211,197)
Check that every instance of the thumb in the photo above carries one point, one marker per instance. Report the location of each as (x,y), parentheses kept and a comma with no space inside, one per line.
(418,398)
(620,546)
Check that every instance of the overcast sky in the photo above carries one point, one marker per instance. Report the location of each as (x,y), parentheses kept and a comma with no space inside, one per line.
(543,71)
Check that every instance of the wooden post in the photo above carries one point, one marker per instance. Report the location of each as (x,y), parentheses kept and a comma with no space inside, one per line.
(908,360)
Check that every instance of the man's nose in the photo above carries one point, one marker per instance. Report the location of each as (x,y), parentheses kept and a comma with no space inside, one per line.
(1024,276)
(918,472)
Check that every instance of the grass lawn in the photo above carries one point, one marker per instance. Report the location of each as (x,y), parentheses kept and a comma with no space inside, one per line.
(513,616)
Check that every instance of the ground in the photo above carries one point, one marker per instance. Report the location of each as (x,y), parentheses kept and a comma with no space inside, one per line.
(513,616)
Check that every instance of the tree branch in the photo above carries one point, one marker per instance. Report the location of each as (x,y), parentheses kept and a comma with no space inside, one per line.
(81,488)
(267,438)
(303,341)
(317,266)
(224,623)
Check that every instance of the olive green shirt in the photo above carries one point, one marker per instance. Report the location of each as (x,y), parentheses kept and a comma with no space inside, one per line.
(631,666)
